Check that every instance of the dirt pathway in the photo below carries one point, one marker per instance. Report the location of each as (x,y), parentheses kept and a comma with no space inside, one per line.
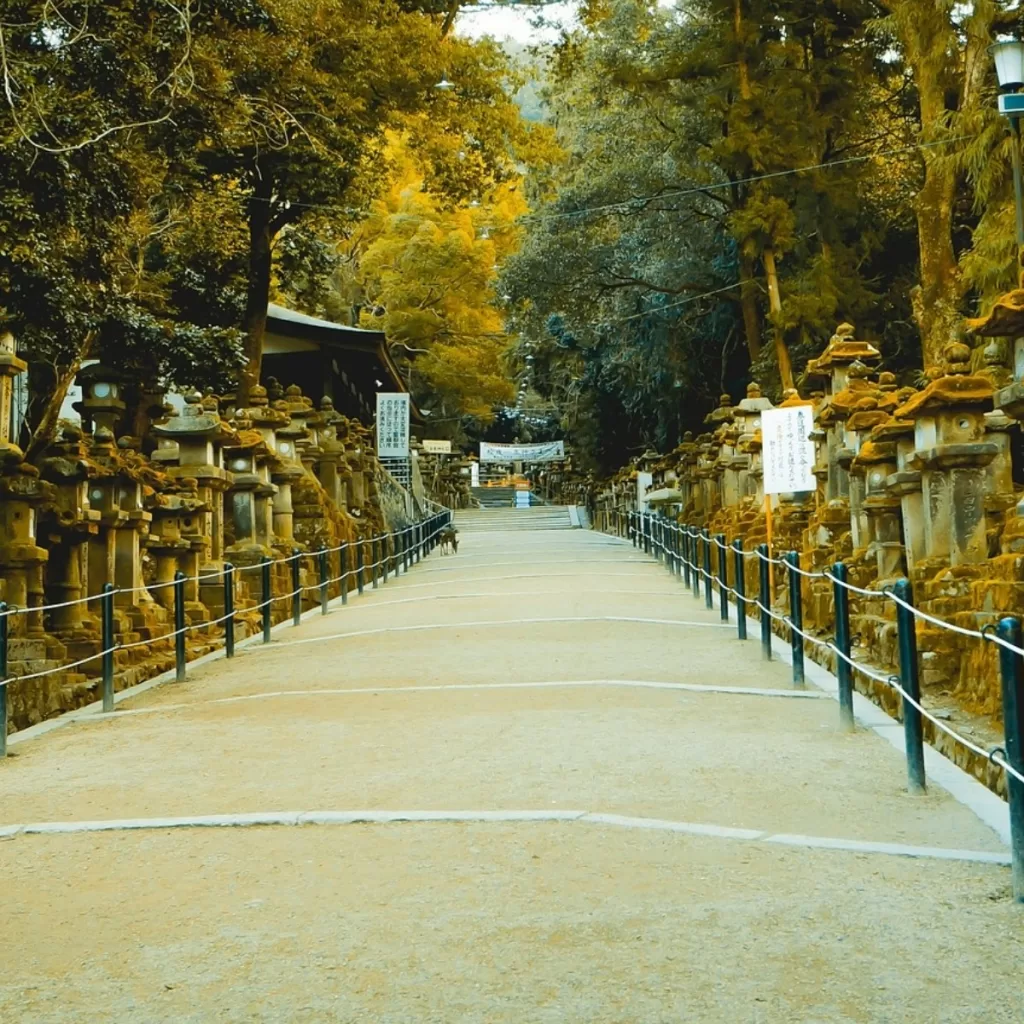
(593,803)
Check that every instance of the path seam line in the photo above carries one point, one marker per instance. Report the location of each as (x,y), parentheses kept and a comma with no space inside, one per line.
(335,818)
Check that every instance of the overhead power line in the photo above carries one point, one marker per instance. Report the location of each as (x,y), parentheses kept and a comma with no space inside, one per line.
(626,204)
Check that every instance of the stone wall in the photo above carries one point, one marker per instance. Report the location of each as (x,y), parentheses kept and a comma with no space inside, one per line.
(209,485)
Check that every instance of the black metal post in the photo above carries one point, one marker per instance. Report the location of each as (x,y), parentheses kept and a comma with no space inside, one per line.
(229,610)
(684,532)
(1012,671)
(179,626)
(913,731)
(107,640)
(723,576)
(322,560)
(844,671)
(765,601)
(709,598)
(266,587)
(796,617)
(740,585)
(4,634)
(359,566)
(386,548)
(296,587)
(343,572)
(374,561)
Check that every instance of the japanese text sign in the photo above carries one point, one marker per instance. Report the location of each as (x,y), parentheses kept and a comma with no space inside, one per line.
(788,453)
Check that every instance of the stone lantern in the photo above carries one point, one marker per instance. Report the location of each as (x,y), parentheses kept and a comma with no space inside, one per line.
(193,452)
(747,417)
(102,403)
(952,453)
(843,368)
(69,524)
(240,457)
(10,367)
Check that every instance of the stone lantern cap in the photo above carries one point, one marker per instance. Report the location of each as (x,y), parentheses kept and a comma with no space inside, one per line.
(791,399)
(1004,320)
(957,387)
(755,402)
(842,350)
(723,414)
(194,419)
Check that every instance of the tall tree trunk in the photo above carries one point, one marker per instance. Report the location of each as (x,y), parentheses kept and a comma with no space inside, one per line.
(775,306)
(260,267)
(743,71)
(936,299)
(748,306)
(929,36)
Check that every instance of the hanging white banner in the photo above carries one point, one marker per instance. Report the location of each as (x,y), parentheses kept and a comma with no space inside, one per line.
(393,425)
(552,451)
(788,452)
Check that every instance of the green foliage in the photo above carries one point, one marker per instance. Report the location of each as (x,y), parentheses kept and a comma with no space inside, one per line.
(702,118)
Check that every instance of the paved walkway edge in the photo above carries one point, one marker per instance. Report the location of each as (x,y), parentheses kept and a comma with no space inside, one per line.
(966,789)
(297,818)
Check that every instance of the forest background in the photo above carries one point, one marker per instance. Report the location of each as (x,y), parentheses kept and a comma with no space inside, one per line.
(589,239)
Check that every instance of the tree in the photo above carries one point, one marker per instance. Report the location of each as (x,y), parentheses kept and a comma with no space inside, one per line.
(682,226)
(944,45)
(88,91)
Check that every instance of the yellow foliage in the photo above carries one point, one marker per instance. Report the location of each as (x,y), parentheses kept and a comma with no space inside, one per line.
(428,273)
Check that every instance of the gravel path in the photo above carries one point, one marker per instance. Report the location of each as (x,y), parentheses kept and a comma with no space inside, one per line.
(477,709)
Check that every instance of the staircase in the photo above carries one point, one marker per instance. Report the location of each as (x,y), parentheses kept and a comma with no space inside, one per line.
(540,517)
(495,497)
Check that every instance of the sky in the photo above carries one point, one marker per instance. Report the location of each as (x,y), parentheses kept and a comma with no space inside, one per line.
(513,22)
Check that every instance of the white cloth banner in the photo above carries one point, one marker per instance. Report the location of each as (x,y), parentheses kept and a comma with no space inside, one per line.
(552,451)
(392,425)
(788,453)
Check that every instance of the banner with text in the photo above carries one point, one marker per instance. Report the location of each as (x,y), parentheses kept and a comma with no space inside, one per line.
(788,452)
(437,447)
(393,425)
(553,451)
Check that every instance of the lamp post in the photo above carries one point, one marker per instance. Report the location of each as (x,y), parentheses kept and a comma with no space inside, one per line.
(1009,60)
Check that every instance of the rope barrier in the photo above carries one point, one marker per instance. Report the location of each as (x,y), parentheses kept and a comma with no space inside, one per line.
(995,756)
(388,557)
(209,576)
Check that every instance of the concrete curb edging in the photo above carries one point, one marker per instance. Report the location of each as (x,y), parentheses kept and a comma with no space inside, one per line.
(964,788)
(335,818)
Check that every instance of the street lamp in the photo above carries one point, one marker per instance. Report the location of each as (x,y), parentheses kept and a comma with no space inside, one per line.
(1009,59)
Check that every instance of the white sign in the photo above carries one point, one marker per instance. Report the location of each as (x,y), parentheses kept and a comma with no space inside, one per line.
(474,474)
(643,485)
(437,447)
(788,453)
(553,451)
(393,425)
